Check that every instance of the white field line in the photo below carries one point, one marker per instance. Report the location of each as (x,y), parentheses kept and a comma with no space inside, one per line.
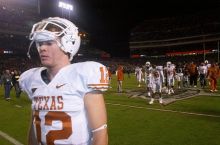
(165,110)
(10,139)
(18,106)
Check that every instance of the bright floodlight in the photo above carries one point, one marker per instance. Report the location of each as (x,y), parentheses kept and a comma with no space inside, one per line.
(66,6)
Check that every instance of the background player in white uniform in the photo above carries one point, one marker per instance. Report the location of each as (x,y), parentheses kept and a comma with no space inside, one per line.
(138,73)
(170,73)
(156,84)
(207,64)
(160,69)
(202,70)
(185,76)
(179,75)
(148,77)
(67,103)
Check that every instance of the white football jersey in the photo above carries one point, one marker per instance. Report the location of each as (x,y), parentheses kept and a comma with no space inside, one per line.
(139,74)
(170,71)
(148,76)
(59,111)
(202,70)
(160,69)
(156,81)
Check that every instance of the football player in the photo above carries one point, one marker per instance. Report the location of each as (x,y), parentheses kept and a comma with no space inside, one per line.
(207,64)
(170,73)
(202,71)
(148,78)
(156,84)
(67,101)
(179,75)
(138,73)
(160,69)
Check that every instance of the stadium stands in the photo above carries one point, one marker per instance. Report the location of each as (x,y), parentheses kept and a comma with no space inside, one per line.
(194,35)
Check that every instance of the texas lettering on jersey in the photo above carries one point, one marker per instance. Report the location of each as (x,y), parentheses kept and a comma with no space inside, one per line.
(54,103)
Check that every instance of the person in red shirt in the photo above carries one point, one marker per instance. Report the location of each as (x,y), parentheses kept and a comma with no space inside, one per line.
(120,77)
(213,74)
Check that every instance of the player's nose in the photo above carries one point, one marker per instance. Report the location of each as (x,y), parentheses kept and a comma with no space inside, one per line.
(42,48)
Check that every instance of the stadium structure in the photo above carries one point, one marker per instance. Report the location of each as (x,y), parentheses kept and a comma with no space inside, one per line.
(17,19)
(180,37)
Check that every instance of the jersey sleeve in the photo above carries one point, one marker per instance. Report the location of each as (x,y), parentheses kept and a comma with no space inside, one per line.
(97,77)
(24,81)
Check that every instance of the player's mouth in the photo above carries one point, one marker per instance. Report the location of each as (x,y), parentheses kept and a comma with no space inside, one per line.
(44,57)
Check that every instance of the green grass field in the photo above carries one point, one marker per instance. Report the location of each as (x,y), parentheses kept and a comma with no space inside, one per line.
(134,121)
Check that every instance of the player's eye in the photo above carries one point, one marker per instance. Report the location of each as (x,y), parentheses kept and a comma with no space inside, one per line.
(48,43)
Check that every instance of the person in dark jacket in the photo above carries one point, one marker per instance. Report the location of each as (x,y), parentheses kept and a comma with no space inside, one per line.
(15,78)
(6,79)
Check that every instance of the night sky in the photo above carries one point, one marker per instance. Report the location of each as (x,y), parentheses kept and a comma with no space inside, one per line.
(109,21)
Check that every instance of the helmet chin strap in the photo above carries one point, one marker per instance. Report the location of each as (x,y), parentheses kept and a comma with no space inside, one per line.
(59,45)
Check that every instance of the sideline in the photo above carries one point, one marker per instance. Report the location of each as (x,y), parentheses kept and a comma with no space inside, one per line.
(10,139)
(165,110)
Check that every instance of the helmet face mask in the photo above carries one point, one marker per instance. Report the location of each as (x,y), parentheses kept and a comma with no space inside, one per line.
(40,43)
(52,28)
(42,36)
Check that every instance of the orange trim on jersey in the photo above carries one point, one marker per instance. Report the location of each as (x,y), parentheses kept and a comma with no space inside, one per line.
(97,84)
(101,89)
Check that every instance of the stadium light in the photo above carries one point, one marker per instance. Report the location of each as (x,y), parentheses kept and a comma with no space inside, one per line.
(66,6)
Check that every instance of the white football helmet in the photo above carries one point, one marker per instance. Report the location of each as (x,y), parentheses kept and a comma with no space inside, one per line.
(206,61)
(53,27)
(169,63)
(147,63)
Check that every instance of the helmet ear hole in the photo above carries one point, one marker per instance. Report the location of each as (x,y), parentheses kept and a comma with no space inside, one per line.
(66,42)
(68,45)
